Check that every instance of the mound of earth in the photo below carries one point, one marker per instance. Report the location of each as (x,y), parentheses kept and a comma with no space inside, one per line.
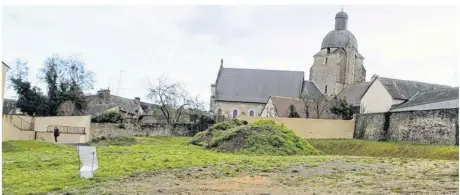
(263,137)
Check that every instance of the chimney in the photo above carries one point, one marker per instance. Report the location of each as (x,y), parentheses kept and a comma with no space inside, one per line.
(137,100)
(104,94)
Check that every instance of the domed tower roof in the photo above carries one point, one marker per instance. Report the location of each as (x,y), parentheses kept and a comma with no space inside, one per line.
(340,36)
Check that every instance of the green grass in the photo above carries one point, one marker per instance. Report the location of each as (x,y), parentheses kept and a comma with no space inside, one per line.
(40,167)
(384,149)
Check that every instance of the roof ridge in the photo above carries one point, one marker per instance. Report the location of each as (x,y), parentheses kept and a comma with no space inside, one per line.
(266,69)
(420,82)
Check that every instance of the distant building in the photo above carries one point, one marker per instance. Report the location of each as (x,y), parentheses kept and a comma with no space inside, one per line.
(383,94)
(336,66)
(430,100)
(131,109)
(4,70)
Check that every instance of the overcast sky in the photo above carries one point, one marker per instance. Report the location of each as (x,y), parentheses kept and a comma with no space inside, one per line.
(186,43)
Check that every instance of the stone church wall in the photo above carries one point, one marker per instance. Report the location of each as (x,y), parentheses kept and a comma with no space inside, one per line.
(424,126)
(243,108)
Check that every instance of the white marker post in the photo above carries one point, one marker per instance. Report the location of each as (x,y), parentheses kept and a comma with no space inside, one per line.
(88,158)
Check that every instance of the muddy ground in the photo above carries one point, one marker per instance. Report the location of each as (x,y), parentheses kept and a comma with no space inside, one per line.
(338,175)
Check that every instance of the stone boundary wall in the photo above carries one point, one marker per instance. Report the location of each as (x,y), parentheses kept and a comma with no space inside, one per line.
(421,126)
(107,130)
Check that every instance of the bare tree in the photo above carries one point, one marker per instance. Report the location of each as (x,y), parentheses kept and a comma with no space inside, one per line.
(320,103)
(316,103)
(20,71)
(67,108)
(172,99)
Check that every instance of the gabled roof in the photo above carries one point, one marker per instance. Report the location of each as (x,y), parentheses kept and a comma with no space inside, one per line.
(127,105)
(403,89)
(256,85)
(4,64)
(432,96)
(282,104)
(310,88)
(354,92)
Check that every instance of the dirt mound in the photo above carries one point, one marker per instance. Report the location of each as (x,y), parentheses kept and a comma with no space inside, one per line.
(263,137)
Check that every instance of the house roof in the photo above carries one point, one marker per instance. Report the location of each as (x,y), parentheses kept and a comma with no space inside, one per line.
(403,89)
(282,104)
(354,92)
(432,96)
(310,88)
(256,85)
(95,104)
(97,109)
(4,64)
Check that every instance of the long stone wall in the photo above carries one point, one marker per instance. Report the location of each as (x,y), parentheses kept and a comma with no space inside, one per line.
(107,130)
(425,126)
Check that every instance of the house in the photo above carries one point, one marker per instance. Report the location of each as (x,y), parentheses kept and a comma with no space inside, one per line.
(278,106)
(430,100)
(131,109)
(385,93)
(4,70)
(353,93)
(338,64)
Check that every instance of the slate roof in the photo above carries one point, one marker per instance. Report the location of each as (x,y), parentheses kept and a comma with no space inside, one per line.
(282,104)
(256,85)
(310,88)
(403,89)
(353,93)
(96,104)
(432,96)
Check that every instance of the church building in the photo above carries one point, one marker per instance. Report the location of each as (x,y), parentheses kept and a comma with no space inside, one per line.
(338,65)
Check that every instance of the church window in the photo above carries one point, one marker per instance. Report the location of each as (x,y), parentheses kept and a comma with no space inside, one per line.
(251,113)
(235,113)
(326,60)
(328,50)
(219,111)
(325,89)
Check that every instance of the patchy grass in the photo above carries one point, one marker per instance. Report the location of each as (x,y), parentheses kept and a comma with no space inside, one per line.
(262,137)
(384,149)
(41,167)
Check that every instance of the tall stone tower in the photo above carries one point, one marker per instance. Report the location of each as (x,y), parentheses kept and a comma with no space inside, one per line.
(339,63)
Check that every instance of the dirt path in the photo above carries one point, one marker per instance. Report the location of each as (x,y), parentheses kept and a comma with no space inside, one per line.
(340,175)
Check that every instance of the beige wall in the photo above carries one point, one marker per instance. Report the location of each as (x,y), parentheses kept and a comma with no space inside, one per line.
(10,132)
(314,128)
(228,107)
(377,99)
(40,125)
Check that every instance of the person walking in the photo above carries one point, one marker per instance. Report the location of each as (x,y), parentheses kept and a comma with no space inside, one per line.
(56,134)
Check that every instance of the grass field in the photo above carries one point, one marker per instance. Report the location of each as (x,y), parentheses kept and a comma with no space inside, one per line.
(33,167)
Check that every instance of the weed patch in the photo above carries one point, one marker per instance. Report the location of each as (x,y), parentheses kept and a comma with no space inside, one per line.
(263,137)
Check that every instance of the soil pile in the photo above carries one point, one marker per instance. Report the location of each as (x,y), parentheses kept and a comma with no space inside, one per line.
(262,137)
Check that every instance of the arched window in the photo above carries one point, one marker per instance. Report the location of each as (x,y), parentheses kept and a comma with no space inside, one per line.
(219,111)
(251,113)
(235,113)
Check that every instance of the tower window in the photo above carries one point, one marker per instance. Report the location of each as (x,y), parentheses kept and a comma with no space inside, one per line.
(251,113)
(328,50)
(326,60)
(325,89)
